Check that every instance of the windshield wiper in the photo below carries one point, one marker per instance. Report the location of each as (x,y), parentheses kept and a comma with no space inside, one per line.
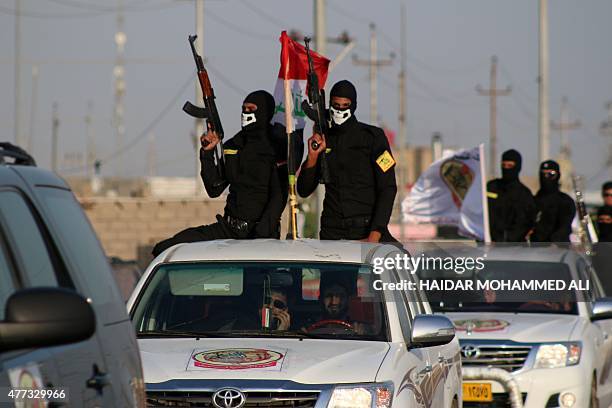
(174,333)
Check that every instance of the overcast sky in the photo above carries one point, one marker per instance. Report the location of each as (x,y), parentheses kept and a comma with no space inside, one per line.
(449,42)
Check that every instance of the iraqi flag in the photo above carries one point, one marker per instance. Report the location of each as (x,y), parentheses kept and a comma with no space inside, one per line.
(294,69)
(452,192)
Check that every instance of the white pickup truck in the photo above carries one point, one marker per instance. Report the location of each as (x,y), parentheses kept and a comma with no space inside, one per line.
(267,323)
(558,349)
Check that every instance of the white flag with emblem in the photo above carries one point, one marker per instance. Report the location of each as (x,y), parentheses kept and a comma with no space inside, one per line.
(450,192)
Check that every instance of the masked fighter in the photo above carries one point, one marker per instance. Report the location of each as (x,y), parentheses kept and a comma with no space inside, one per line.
(556,210)
(255,172)
(359,197)
(511,204)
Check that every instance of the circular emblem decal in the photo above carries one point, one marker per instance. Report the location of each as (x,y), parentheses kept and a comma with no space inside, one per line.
(236,359)
(480,325)
(228,398)
(470,352)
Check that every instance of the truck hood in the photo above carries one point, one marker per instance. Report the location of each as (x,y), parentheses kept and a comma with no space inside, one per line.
(307,361)
(519,327)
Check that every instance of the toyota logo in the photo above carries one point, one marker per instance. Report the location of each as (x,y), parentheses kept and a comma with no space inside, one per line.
(470,352)
(228,398)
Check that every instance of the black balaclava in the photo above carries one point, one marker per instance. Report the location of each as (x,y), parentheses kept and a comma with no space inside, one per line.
(549,185)
(605,230)
(513,173)
(606,186)
(344,89)
(265,109)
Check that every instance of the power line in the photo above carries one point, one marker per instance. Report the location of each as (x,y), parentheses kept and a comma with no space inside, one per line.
(242,30)
(94,12)
(145,132)
(264,15)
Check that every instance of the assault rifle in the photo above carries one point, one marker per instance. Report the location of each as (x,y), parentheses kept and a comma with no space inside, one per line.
(209,111)
(586,230)
(316,111)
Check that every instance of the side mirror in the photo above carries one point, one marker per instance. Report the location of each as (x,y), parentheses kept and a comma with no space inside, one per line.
(602,309)
(431,330)
(39,317)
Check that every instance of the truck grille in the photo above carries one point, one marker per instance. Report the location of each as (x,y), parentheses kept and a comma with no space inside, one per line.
(509,357)
(253,399)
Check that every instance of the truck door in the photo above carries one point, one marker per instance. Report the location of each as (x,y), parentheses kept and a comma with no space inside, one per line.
(39,264)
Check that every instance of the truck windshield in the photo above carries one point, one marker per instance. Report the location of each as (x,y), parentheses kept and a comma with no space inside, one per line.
(261,299)
(506,286)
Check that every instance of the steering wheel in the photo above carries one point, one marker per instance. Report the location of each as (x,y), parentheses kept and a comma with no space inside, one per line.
(330,322)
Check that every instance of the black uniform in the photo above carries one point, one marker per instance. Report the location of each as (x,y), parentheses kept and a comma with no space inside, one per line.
(556,210)
(254,175)
(511,205)
(604,229)
(359,197)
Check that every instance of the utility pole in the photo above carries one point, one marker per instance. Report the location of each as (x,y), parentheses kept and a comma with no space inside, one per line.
(119,74)
(403,139)
(606,130)
(54,135)
(493,93)
(373,63)
(565,162)
(543,117)
(198,128)
(33,105)
(320,33)
(18,72)
(89,141)
(563,126)
(151,156)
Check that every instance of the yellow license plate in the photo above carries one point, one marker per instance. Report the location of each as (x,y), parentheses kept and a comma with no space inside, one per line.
(478,392)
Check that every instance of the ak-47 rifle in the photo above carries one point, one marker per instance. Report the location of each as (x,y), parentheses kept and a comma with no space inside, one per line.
(209,111)
(586,230)
(316,111)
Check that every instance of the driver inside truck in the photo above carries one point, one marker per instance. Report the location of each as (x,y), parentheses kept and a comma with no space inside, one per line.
(334,299)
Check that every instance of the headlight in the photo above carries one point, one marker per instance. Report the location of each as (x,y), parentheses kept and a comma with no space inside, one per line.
(362,396)
(558,355)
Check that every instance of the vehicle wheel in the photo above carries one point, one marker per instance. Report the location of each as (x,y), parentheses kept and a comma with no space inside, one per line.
(594,401)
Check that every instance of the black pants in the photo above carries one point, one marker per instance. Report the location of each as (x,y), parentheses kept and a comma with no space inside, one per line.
(218,230)
(354,233)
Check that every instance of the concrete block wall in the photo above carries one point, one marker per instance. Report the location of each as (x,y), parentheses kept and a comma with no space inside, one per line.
(124,224)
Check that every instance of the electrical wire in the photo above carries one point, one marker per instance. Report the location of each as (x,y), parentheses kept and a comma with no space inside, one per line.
(144,133)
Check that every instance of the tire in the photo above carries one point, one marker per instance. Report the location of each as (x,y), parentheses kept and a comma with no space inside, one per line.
(594,403)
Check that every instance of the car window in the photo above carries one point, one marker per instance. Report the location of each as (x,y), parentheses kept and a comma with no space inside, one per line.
(26,239)
(7,275)
(84,249)
(252,299)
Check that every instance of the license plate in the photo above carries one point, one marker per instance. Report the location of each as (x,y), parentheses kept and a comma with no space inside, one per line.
(478,392)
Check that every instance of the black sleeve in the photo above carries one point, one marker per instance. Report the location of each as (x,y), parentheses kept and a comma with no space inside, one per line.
(308,179)
(384,177)
(213,184)
(524,217)
(563,228)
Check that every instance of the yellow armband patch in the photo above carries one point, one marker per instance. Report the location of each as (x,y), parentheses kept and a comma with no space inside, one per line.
(230,151)
(491,195)
(385,161)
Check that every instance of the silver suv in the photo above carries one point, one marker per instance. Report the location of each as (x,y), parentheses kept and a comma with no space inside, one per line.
(64,332)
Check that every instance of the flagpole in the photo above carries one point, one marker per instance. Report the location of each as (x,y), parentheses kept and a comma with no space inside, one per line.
(290,159)
(485,201)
